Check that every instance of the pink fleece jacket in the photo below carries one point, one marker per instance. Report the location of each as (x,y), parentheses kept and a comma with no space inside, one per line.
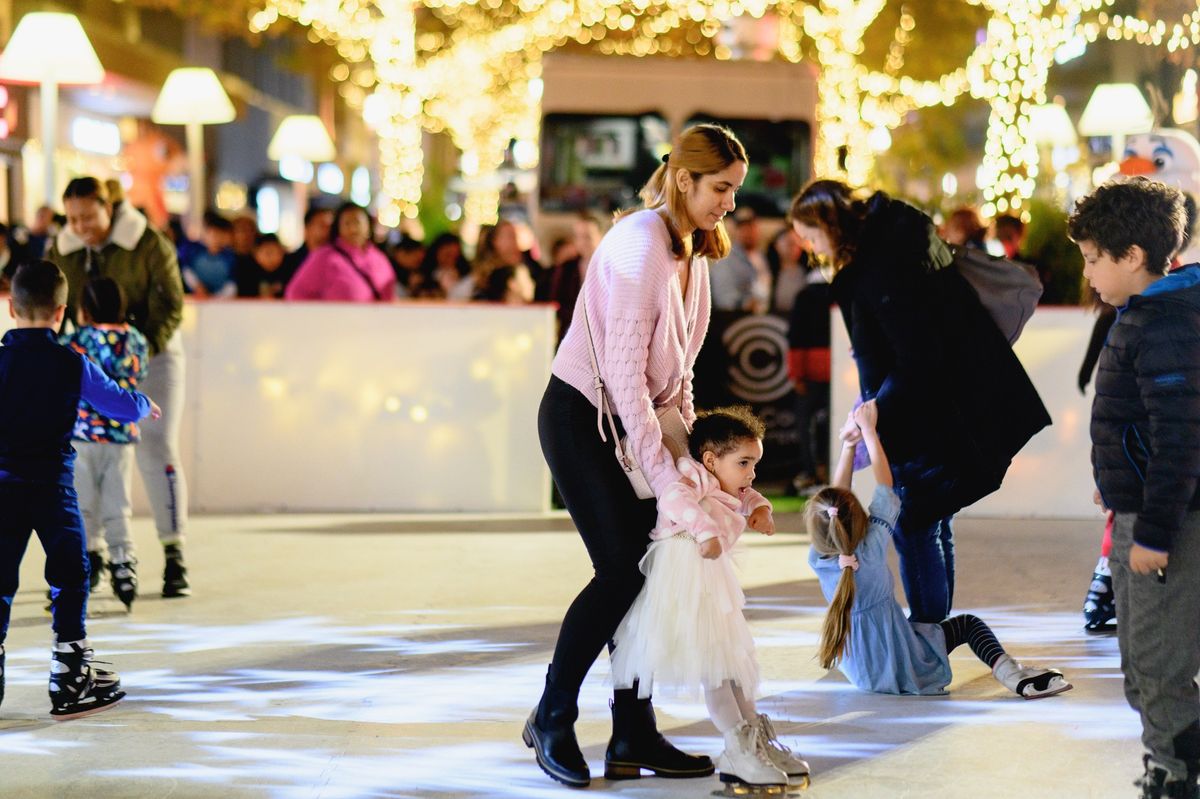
(647,334)
(697,505)
(327,275)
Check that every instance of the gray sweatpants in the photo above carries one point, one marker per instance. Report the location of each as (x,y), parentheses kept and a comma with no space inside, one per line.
(158,453)
(104,482)
(1158,631)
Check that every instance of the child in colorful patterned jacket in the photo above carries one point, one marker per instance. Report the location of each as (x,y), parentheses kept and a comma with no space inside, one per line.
(104,467)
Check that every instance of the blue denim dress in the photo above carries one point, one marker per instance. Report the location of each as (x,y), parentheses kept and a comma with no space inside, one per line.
(885,653)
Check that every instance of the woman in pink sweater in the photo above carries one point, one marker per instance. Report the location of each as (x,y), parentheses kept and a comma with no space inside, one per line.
(646,295)
(347,269)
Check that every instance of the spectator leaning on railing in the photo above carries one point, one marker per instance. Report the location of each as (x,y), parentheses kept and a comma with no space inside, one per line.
(349,268)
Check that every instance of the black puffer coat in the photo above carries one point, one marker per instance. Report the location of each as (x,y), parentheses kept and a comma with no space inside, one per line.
(1146,415)
(955,404)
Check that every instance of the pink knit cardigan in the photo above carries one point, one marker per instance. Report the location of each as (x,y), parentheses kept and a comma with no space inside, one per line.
(647,334)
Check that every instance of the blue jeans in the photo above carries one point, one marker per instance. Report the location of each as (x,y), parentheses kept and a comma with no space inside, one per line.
(54,512)
(926,551)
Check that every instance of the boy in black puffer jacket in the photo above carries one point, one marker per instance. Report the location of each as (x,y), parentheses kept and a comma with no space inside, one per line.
(1146,460)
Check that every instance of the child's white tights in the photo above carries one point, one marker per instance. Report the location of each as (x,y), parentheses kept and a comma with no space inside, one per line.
(728,706)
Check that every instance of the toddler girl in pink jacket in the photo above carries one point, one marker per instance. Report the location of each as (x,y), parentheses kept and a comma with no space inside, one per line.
(686,628)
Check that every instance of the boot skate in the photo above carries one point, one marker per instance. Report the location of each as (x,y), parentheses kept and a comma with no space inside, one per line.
(175,583)
(781,757)
(95,566)
(77,687)
(1029,682)
(745,765)
(1156,784)
(1099,606)
(124,581)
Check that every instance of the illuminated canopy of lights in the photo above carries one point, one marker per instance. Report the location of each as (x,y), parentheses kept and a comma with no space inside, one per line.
(475,72)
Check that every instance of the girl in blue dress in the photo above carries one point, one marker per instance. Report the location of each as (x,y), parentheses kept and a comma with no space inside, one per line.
(865,633)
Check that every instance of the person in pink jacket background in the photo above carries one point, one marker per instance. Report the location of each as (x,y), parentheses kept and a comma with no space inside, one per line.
(646,295)
(350,268)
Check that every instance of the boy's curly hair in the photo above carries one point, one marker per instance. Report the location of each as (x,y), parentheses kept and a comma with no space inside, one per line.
(721,429)
(1138,211)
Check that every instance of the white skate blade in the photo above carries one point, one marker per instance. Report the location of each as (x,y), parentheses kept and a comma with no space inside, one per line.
(1057,684)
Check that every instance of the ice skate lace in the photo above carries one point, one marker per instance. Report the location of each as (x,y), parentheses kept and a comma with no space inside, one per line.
(761,747)
(769,740)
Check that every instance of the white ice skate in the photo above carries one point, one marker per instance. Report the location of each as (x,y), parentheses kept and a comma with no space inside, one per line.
(782,758)
(1029,682)
(745,765)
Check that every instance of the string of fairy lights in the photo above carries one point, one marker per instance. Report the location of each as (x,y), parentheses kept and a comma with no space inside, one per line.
(478,76)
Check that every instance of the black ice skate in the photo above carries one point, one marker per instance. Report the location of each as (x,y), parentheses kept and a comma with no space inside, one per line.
(124,581)
(175,583)
(1100,605)
(77,687)
(95,567)
(1156,783)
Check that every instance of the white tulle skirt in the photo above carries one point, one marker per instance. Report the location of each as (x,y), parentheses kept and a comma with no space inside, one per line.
(685,631)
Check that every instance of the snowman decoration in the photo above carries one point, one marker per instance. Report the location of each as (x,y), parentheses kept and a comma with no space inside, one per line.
(1172,156)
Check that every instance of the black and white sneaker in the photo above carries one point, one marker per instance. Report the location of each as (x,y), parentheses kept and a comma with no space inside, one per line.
(77,686)
(124,581)
(175,583)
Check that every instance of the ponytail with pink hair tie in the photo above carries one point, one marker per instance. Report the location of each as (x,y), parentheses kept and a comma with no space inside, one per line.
(848,562)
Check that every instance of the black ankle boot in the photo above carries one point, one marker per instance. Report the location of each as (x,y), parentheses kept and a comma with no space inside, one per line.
(550,733)
(636,744)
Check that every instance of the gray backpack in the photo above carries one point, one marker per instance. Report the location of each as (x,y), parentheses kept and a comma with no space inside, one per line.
(1008,290)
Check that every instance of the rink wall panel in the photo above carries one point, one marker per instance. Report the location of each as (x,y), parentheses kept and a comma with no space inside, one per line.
(1052,476)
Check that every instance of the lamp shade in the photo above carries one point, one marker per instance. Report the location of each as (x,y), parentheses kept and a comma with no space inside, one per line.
(1116,109)
(192,94)
(302,136)
(1049,126)
(49,47)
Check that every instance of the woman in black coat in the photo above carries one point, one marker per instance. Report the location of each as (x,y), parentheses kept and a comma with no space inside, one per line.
(955,404)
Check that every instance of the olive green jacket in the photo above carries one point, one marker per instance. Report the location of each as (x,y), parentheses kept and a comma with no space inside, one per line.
(139,258)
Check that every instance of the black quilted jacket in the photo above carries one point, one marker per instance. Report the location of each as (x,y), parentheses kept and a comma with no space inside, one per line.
(1146,415)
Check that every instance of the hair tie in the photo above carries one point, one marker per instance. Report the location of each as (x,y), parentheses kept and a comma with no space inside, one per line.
(848,562)
(831,511)
(666,158)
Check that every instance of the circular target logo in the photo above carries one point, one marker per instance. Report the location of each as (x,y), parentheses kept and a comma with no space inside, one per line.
(757,350)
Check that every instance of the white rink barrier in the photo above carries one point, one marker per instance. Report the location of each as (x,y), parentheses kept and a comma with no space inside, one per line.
(1052,476)
(339,407)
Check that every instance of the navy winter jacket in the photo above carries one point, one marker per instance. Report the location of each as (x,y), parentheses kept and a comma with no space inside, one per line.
(41,383)
(1146,415)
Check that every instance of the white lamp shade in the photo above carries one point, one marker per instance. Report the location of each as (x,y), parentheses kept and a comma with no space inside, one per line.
(50,47)
(1049,126)
(192,94)
(1116,109)
(303,136)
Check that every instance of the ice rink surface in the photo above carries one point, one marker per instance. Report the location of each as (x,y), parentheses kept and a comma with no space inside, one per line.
(338,656)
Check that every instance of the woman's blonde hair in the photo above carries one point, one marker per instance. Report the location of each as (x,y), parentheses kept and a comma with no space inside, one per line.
(837,523)
(830,206)
(701,150)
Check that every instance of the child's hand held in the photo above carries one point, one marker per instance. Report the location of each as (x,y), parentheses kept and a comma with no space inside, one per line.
(710,549)
(867,415)
(155,411)
(761,520)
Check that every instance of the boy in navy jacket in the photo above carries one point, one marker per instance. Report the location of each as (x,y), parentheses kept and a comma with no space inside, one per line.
(1146,460)
(41,384)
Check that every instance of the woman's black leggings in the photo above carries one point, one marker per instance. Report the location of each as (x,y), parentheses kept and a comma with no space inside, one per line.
(970,630)
(615,526)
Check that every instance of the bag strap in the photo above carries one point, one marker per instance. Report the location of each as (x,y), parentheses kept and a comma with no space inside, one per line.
(602,409)
(361,273)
